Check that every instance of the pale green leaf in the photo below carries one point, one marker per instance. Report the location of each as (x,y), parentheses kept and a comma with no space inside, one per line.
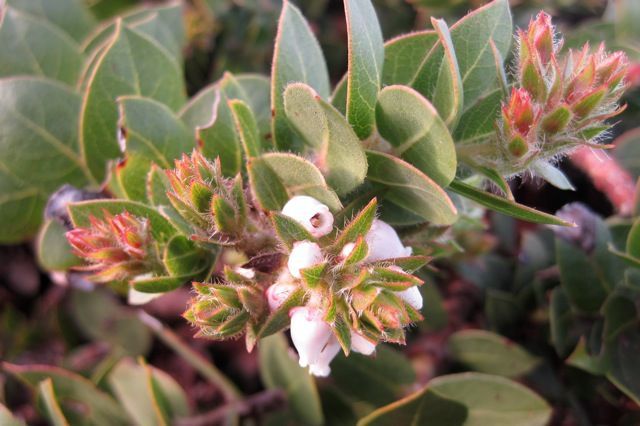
(366,57)
(407,189)
(337,150)
(417,133)
(130,64)
(297,58)
(31,46)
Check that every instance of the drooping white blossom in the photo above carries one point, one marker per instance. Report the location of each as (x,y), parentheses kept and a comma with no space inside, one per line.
(361,345)
(303,255)
(315,342)
(314,216)
(384,243)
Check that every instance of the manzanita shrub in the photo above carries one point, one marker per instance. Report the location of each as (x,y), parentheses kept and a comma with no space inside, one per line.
(284,203)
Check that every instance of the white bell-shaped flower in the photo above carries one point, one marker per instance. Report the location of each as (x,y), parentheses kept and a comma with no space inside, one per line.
(303,255)
(361,345)
(412,296)
(314,216)
(280,291)
(384,243)
(314,340)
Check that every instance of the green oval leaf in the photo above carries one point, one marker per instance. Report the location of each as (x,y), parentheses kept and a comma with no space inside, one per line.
(406,191)
(72,16)
(491,353)
(417,133)
(131,64)
(276,177)
(33,132)
(337,150)
(30,46)
(54,252)
(466,399)
(366,57)
(297,57)
(472,37)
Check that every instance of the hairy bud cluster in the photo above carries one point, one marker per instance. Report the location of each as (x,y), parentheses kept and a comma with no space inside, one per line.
(216,207)
(343,289)
(227,309)
(117,247)
(557,103)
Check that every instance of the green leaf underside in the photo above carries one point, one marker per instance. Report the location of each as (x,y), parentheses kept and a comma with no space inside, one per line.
(408,189)
(131,64)
(338,152)
(469,399)
(504,205)
(30,46)
(47,395)
(417,133)
(72,16)
(472,37)
(366,57)
(276,177)
(35,132)
(297,57)
(490,353)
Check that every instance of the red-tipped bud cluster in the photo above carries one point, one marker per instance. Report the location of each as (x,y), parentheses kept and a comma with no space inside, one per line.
(558,102)
(117,247)
(215,206)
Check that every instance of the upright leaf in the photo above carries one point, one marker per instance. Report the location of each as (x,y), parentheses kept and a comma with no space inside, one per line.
(247,127)
(472,37)
(338,153)
(418,135)
(366,57)
(52,409)
(404,55)
(276,177)
(296,58)
(409,196)
(130,64)
(31,46)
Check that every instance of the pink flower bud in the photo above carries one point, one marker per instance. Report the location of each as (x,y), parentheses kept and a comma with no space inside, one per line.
(384,243)
(280,291)
(303,255)
(361,345)
(314,216)
(412,296)
(519,114)
(314,340)
(541,35)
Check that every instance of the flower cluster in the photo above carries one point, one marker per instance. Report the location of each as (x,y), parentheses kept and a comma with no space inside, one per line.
(357,289)
(346,289)
(559,101)
(117,247)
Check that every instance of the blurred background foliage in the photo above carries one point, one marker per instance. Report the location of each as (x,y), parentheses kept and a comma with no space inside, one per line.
(509,299)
